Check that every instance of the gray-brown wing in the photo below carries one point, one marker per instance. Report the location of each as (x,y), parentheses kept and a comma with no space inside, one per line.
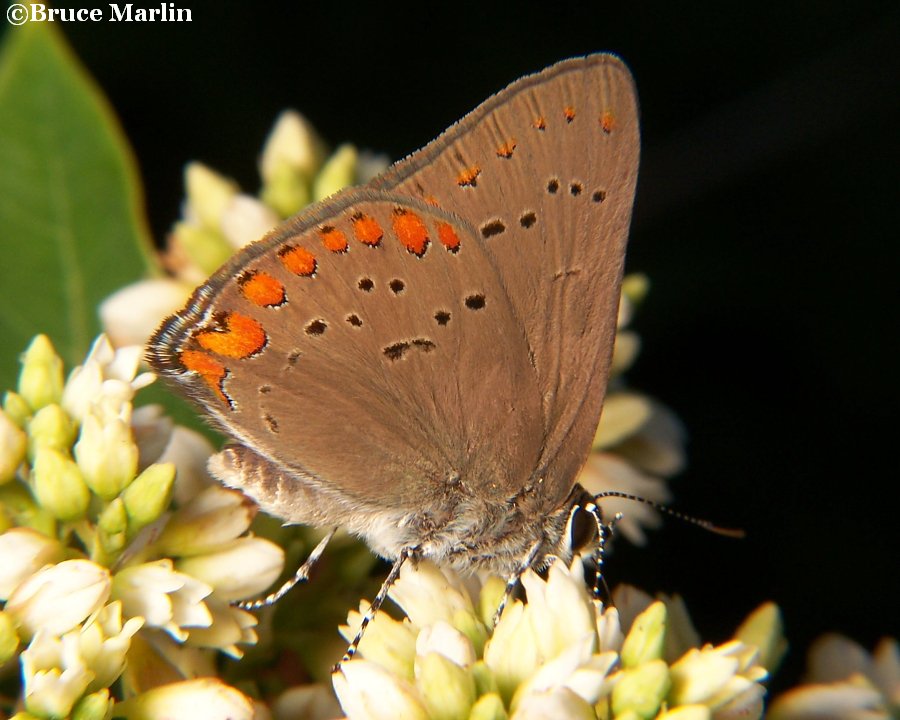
(368,347)
(545,172)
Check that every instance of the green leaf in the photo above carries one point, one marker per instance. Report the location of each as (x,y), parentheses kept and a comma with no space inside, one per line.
(72,226)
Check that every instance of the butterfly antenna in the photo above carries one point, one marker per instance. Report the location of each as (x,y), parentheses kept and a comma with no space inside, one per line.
(699,522)
(302,575)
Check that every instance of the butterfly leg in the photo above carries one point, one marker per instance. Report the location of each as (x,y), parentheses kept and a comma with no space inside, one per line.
(405,555)
(513,581)
(300,576)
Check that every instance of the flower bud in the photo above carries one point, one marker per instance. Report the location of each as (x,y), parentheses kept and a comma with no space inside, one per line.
(106,454)
(24,552)
(59,597)
(9,639)
(51,427)
(41,377)
(488,707)
(645,640)
(207,249)
(16,408)
(447,689)
(338,172)
(96,706)
(112,525)
(764,629)
(208,194)
(148,496)
(59,485)
(13,443)
(206,697)
(641,689)
(367,690)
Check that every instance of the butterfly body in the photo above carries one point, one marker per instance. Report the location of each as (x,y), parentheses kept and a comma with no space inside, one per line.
(423,360)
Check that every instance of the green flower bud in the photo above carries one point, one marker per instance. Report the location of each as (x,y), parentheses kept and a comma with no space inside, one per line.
(9,639)
(635,287)
(338,172)
(19,506)
(208,249)
(764,629)
(41,377)
(148,496)
(469,625)
(95,706)
(490,598)
(13,443)
(485,683)
(208,193)
(113,523)
(488,707)
(646,638)
(50,427)
(106,454)
(286,191)
(59,485)
(447,689)
(16,408)
(642,689)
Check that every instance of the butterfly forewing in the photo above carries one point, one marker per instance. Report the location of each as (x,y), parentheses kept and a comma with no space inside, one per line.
(545,172)
(368,347)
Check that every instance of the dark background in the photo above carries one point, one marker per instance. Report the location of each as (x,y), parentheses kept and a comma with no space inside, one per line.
(766,218)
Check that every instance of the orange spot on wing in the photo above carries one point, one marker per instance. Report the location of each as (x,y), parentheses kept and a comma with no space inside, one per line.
(468,177)
(239,337)
(333,239)
(448,237)
(211,370)
(607,122)
(262,289)
(298,260)
(506,149)
(410,231)
(367,229)
(569,112)
(540,123)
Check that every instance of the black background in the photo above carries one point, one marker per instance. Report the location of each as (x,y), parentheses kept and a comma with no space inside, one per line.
(766,218)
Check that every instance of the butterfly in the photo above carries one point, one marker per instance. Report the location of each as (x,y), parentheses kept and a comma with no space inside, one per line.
(422,360)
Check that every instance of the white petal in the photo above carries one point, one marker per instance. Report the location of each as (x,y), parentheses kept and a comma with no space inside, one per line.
(24,552)
(239,569)
(246,219)
(59,597)
(368,692)
(130,315)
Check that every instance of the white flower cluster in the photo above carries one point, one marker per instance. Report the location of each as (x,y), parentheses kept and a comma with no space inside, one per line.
(558,655)
(101,580)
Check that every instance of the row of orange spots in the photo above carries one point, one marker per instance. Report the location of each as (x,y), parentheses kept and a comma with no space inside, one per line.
(506,149)
(211,370)
(333,239)
(297,260)
(607,123)
(367,229)
(448,237)
(262,289)
(410,231)
(239,337)
(468,177)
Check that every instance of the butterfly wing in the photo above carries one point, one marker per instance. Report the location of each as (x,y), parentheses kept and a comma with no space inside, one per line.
(545,172)
(366,349)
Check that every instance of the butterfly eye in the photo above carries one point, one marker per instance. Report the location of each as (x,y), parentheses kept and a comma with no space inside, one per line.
(582,530)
